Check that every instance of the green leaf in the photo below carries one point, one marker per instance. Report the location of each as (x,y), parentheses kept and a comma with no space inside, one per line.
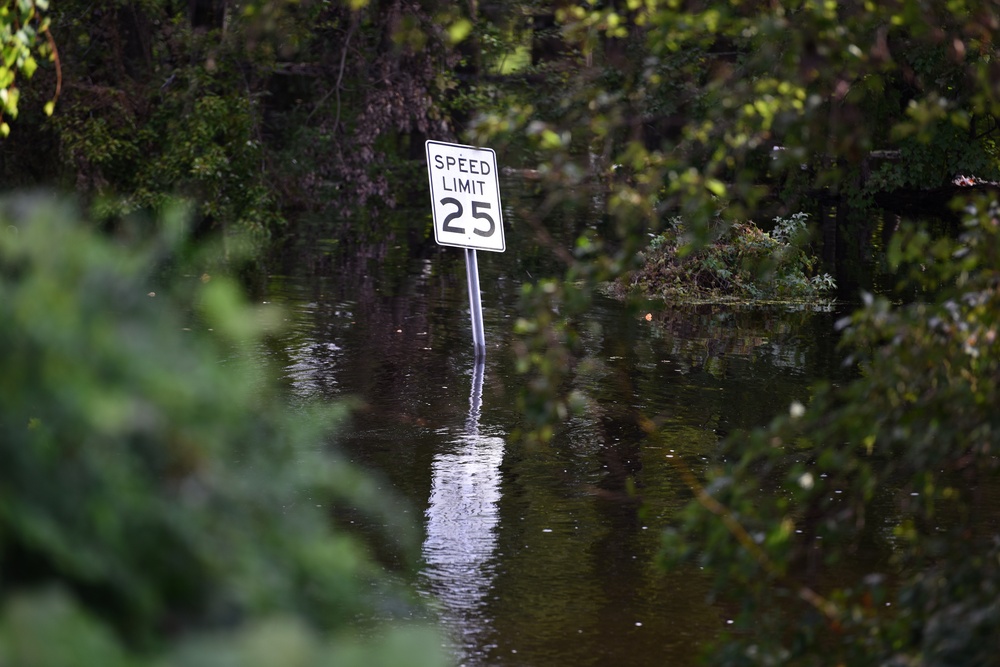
(459,30)
(716,187)
(10,100)
(550,139)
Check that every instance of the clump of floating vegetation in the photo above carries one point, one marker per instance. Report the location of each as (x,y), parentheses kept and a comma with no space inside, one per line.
(745,264)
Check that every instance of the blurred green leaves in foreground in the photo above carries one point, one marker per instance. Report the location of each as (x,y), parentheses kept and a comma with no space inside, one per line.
(861,528)
(159,501)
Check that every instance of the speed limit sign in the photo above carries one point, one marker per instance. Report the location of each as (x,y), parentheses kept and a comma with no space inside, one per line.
(465,196)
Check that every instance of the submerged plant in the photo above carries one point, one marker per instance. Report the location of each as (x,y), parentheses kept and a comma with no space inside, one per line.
(744,263)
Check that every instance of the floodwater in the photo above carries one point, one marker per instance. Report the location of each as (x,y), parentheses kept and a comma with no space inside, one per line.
(542,556)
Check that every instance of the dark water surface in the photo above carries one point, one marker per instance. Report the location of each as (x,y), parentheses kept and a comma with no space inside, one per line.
(542,557)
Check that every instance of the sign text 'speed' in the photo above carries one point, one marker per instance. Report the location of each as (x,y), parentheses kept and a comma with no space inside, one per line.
(466,166)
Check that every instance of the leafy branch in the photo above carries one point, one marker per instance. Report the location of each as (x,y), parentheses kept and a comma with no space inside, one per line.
(21,24)
(826,607)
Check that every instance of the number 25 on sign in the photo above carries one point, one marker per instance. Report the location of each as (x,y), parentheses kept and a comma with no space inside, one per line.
(465,196)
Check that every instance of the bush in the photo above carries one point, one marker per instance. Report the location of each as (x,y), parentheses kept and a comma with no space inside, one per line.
(862,528)
(157,497)
(743,264)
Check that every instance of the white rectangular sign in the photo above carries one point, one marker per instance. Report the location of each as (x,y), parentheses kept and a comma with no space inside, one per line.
(465,196)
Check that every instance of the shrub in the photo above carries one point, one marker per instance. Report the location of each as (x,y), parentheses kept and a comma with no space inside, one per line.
(744,263)
(157,497)
(860,527)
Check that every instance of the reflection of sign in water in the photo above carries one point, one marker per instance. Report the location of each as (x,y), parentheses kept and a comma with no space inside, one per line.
(461,520)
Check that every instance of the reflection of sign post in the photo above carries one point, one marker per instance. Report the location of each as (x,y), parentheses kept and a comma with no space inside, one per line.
(465,200)
(463,517)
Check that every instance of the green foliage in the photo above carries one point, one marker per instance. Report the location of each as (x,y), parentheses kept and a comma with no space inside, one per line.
(945,153)
(684,100)
(546,344)
(251,112)
(191,131)
(24,37)
(865,516)
(50,630)
(214,159)
(745,263)
(158,499)
(857,529)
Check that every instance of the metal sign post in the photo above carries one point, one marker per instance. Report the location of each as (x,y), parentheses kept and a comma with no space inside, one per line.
(465,202)
(475,303)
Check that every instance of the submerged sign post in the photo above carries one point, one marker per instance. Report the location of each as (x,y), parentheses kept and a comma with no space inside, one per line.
(465,201)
